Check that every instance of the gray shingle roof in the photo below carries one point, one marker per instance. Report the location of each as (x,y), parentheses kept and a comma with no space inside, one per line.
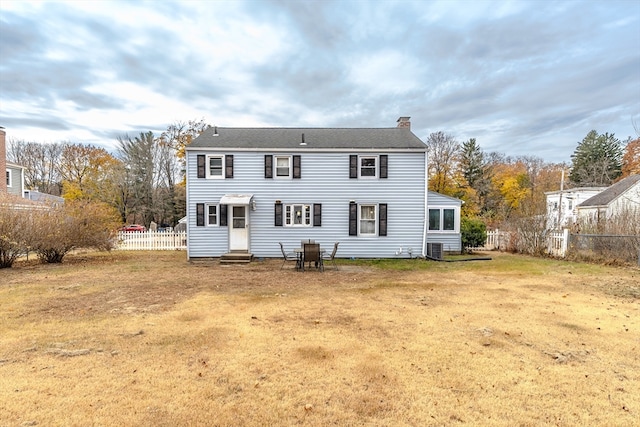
(611,193)
(315,138)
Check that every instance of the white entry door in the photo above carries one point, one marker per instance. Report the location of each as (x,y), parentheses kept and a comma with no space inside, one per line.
(238,232)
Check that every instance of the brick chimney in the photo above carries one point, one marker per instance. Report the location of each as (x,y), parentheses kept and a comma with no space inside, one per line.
(404,122)
(3,161)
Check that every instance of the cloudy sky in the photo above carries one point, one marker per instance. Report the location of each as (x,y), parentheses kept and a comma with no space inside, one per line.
(522,77)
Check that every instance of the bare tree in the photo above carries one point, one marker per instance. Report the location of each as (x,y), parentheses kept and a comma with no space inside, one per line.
(443,150)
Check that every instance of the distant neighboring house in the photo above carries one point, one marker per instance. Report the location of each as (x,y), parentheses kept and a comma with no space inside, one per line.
(37,196)
(15,179)
(623,197)
(562,205)
(250,188)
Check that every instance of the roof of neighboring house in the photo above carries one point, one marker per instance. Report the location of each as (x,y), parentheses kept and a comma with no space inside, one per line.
(37,196)
(611,193)
(308,138)
(575,190)
(15,165)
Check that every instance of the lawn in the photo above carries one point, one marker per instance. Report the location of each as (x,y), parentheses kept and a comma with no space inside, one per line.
(150,339)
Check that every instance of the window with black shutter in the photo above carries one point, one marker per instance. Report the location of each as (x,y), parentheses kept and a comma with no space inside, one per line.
(353,219)
(268,166)
(278,215)
(317,215)
(201,166)
(383,165)
(223,215)
(382,219)
(353,166)
(228,166)
(200,214)
(296,167)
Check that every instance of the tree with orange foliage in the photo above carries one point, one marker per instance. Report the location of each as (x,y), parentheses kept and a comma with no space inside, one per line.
(631,159)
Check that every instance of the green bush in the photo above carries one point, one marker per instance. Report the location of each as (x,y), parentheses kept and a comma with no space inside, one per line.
(473,232)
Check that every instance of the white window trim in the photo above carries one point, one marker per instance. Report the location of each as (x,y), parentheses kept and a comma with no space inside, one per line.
(208,167)
(375,168)
(306,211)
(275,167)
(375,219)
(9,178)
(456,219)
(206,214)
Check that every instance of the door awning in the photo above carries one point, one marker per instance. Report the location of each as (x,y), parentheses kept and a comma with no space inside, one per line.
(236,199)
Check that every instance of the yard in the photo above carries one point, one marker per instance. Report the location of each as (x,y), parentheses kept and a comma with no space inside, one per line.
(146,338)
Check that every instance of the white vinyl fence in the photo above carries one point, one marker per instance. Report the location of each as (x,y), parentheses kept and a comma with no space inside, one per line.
(152,240)
(557,242)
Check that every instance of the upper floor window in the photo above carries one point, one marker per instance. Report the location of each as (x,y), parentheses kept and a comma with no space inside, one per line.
(215,166)
(8,178)
(283,166)
(368,166)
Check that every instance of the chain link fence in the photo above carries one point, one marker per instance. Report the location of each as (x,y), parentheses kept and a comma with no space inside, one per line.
(605,248)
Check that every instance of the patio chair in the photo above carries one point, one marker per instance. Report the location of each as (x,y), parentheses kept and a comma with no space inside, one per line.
(331,257)
(288,256)
(312,255)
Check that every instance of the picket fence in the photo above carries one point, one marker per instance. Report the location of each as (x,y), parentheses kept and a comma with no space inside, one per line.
(152,240)
(557,242)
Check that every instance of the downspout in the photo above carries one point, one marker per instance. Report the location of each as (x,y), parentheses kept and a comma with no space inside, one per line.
(426,209)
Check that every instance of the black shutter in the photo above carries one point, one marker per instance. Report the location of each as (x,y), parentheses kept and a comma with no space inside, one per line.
(200,214)
(317,215)
(353,166)
(382,219)
(201,166)
(223,216)
(384,160)
(353,219)
(228,166)
(268,166)
(278,215)
(296,167)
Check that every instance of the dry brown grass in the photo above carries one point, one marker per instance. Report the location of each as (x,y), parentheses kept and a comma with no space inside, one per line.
(149,339)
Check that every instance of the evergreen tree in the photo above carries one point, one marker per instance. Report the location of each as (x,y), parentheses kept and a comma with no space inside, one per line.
(597,160)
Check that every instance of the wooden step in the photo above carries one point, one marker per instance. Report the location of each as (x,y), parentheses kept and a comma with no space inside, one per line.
(236,258)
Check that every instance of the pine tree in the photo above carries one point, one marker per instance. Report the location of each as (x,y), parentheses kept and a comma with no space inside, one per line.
(597,160)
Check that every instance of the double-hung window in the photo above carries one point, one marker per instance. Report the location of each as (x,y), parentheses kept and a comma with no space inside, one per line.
(215,167)
(368,220)
(283,166)
(368,166)
(297,215)
(212,214)
(8,178)
(442,219)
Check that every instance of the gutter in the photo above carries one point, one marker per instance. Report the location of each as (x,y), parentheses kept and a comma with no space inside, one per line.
(426,209)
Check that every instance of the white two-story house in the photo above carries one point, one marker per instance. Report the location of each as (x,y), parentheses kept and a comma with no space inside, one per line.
(250,188)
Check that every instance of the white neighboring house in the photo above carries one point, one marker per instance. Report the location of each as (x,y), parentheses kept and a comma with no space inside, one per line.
(562,205)
(15,179)
(621,197)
